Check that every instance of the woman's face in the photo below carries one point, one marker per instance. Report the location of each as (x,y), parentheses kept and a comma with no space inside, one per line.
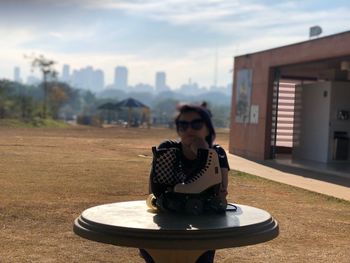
(191,126)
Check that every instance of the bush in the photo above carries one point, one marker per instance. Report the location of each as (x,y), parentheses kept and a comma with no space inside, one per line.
(95,121)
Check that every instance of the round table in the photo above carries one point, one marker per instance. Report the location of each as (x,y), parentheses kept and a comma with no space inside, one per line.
(169,237)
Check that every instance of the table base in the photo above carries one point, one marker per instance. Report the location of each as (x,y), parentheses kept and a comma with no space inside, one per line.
(174,256)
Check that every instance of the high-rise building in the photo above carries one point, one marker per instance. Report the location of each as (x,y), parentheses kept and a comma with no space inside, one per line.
(99,80)
(121,78)
(32,80)
(65,73)
(17,75)
(161,82)
(88,78)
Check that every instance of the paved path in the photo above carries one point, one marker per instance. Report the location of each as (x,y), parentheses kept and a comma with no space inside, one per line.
(316,182)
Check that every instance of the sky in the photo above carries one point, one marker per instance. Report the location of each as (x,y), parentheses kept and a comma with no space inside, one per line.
(191,40)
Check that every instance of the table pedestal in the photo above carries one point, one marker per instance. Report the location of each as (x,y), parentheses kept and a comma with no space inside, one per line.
(174,256)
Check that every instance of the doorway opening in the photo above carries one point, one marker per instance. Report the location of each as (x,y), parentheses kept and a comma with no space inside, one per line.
(290,84)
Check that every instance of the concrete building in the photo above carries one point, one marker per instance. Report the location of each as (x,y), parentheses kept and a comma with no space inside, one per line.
(99,80)
(65,77)
(88,78)
(293,100)
(121,78)
(160,84)
(17,75)
(32,80)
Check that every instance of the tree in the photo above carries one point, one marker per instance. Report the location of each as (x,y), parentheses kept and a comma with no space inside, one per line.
(4,88)
(14,102)
(58,95)
(164,111)
(221,115)
(89,102)
(49,73)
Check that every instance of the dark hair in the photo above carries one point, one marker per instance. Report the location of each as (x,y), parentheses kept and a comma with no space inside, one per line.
(205,116)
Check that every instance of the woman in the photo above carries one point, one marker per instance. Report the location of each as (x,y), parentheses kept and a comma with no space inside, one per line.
(196,131)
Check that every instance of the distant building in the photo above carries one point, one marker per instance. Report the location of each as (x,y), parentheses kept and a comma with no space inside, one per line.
(88,78)
(88,75)
(223,89)
(17,75)
(99,79)
(191,88)
(32,80)
(161,82)
(121,78)
(65,77)
(141,87)
(77,79)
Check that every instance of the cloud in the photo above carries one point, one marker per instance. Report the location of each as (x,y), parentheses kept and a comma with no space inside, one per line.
(237,21)
(175,23)
(177,12)
(165,35)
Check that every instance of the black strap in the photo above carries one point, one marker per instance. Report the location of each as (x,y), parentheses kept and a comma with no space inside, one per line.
(231,207)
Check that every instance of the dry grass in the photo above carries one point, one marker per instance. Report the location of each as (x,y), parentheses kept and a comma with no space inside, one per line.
(49,176)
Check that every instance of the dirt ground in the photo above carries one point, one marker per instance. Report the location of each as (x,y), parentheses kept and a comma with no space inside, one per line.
(49,176)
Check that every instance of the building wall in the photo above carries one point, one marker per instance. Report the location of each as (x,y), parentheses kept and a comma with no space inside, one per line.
(252,140)
(244,137)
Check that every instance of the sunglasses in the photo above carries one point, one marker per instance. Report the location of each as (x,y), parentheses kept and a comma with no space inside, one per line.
(195,124)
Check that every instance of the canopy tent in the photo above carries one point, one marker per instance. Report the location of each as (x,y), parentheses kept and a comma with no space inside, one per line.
(131,103)
(109,107)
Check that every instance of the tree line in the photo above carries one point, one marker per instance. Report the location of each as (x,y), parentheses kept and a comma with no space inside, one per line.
(56,100)
(60,101)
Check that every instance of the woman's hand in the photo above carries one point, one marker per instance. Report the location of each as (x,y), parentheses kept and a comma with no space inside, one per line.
(190,149)
(198,143)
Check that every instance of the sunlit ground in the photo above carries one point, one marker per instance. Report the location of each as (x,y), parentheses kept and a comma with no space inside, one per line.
(49,176)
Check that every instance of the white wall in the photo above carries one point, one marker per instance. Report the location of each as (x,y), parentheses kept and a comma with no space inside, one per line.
(314,122)
(317,120)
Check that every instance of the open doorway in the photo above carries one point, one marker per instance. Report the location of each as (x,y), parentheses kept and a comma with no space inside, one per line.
(306,132)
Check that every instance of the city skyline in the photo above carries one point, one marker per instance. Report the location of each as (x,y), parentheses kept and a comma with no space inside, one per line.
(90,78)
(186,39)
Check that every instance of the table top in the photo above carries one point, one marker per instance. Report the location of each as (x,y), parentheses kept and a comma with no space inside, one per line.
(133,224)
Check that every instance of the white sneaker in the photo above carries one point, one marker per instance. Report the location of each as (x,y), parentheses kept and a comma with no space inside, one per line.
(207,177)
